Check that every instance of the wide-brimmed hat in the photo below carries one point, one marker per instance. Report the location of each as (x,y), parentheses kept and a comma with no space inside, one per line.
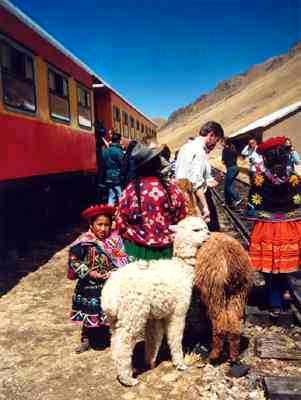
(142,154)
(100,209)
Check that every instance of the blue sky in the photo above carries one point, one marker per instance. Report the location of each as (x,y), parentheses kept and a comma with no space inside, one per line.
(163,54)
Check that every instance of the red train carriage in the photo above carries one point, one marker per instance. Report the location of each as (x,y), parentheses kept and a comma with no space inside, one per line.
(47,142)
(118,114)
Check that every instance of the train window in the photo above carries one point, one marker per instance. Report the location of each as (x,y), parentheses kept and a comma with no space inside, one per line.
(17,71)
(84,107)
(142,128)
(125,118)
(132,122)
(116,113)
(59,106)
(137,125)
(125,123)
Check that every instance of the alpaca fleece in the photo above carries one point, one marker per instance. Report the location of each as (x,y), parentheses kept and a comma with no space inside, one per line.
(223,277)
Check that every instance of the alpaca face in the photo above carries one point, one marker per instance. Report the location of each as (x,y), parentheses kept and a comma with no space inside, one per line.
(190,233)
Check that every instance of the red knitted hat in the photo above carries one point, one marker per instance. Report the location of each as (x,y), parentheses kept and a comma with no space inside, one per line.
(271,143)
(100,209)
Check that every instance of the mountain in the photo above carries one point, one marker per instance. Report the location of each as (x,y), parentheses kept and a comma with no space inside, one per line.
(240,100)
(159,121)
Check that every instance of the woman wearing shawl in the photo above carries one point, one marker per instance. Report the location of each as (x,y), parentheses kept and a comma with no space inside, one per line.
(92,257)
(275,205)
(147,207)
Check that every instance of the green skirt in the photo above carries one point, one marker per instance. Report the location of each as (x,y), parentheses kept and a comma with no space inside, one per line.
(137,252)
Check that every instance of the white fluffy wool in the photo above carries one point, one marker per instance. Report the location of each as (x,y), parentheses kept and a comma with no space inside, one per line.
(152,298)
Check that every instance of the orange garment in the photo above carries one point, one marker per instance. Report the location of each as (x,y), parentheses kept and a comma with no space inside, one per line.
(276,246)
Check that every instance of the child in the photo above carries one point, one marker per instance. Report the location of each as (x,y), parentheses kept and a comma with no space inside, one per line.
(92,257)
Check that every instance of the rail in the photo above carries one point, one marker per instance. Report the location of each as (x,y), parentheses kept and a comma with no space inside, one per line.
(243,229)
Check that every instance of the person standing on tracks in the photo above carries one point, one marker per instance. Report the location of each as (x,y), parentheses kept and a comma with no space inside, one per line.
(294,158)
(92,257)
(148,206)
(255,160)
(192,164)
(128,165)
(229,158)
(113,158)
(274,204)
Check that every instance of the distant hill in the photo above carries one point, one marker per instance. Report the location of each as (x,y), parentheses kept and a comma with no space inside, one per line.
(160,121)
(240,100)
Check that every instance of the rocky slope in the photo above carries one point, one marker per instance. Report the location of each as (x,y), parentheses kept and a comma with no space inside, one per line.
(235,102)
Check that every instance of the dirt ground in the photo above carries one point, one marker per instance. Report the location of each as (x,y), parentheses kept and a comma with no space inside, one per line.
(38,362)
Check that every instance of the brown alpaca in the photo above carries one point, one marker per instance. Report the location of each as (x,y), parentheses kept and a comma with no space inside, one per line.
(223,278)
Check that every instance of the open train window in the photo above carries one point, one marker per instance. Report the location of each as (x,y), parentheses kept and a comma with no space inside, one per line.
(132,122)
(125,123)
(84,107)
(125,118)
(17,75)
(59,106)
(137,125)
(142,128)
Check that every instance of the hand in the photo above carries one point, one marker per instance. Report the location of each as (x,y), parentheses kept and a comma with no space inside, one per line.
(219,177)
(106,275)
(206,215)
(98,275)
(212,183)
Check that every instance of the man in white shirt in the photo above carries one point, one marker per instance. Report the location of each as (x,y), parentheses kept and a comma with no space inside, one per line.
(255,159)
(192,162)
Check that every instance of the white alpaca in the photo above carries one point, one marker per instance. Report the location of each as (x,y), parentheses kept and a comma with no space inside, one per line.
(152,298)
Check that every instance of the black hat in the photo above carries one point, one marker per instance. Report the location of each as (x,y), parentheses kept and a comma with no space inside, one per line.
(143,154)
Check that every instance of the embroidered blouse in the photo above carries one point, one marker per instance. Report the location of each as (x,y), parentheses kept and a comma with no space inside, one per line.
(274,199)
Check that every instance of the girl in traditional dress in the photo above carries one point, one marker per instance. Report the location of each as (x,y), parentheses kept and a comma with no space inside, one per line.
(92,257)
(275,204)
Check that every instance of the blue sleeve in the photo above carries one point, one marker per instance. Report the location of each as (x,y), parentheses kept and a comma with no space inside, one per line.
(296,158)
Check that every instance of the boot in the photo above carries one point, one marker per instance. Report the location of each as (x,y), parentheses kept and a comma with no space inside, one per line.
(238,369)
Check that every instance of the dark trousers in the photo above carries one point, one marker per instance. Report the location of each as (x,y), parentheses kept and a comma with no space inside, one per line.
(213,225)
(230,193)
(277,285)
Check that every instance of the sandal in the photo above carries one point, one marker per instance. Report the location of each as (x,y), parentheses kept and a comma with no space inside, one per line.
(238,369)
(84,346)
(275,313)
